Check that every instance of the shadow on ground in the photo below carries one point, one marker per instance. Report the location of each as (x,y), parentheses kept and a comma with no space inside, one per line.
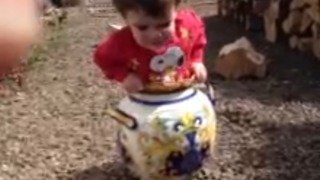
(108,171)
(287,152)
(293,76)
(267,150)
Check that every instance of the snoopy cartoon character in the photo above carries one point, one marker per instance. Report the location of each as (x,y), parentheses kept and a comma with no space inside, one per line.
(165,66)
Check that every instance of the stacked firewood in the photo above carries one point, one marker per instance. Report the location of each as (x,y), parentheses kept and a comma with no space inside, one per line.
(296,22)
(303,25)
(64,3)
(53,16)
(99,8)
(53,12)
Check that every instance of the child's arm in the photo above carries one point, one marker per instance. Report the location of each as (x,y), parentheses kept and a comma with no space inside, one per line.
(106,58)
(199,38)
(199,41)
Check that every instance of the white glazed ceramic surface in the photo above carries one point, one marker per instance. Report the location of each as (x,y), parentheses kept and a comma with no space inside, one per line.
(166,136)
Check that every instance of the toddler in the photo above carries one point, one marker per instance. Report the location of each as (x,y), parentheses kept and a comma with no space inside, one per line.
(160,49)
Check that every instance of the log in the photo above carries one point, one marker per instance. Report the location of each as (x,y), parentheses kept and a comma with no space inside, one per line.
(306,22)
(298,4)
(225,7)
(314,11)
(293,42)
(54,16)
(270,17)
(243,11)
(316,40)
(302,24)
(100,8)
(255,20)
(299,19)
(65,3)
(303,44)
(292,23)
(221,8)
(240,59)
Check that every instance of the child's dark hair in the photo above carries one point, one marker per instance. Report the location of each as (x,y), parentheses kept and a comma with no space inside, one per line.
(154,8)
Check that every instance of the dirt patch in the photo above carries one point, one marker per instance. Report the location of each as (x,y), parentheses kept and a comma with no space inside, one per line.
(55,127)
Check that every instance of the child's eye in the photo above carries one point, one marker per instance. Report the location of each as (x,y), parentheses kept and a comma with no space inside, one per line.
(142,27)
(164,25)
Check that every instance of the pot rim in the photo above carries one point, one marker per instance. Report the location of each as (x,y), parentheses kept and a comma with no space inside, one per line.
(165,99)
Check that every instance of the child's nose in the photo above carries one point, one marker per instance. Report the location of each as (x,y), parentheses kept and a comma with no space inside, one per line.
(158,34)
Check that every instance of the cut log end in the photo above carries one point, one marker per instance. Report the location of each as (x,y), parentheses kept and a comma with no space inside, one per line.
(240,59)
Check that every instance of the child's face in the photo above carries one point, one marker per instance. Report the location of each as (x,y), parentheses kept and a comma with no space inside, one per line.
(151,33)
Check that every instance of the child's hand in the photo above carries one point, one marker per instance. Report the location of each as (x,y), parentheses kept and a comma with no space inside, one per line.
(132,83)
(200,72)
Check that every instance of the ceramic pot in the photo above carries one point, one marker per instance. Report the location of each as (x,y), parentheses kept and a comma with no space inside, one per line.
(165,136)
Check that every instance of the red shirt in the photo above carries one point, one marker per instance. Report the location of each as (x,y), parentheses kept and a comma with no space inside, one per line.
(119,54)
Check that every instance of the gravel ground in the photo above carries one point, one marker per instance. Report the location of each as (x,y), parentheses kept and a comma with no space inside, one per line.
(54,128)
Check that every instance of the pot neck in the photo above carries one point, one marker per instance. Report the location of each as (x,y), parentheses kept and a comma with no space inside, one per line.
(163,99)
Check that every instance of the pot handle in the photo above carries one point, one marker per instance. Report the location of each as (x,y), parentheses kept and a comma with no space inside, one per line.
(122,118)
(207,88)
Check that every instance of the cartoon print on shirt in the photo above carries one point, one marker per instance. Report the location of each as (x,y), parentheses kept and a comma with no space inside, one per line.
(165,66)
(185,35)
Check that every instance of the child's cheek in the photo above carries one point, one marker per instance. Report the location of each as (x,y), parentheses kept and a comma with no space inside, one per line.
(147,39)
(139,36)
(168,34)
(170,31)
